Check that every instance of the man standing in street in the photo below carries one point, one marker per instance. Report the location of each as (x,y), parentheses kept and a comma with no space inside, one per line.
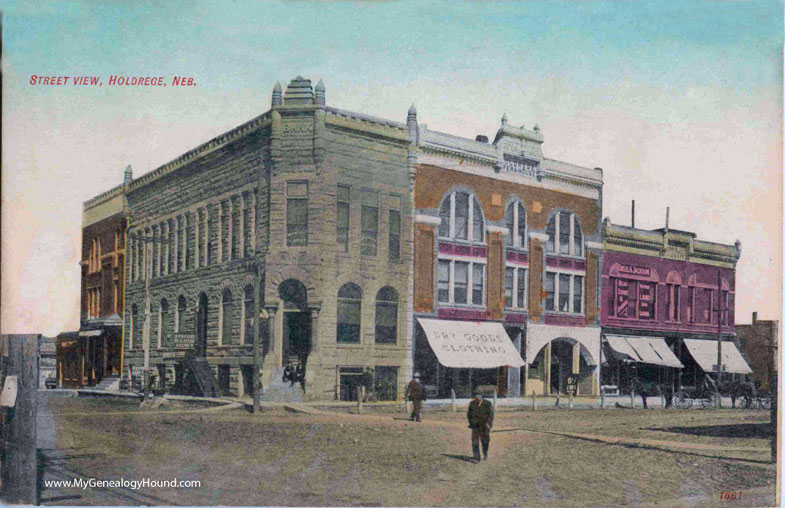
(480,416)
(415,392)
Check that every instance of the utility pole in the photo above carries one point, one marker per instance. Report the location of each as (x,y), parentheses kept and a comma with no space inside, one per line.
(148,242)
(719,338)
(257,354)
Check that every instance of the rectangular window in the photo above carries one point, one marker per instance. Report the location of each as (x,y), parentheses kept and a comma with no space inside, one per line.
(394,243)
(691,305)
(647,296)
(672,295)
(520,290)
(370,230)
(443,284)
(461,284)
(509,280)
(725,307)
(577,294)
(348,321)
(550,291)
(386,383)
(342,228)
(297,214)
(564,293)
(706,307)
(477,283)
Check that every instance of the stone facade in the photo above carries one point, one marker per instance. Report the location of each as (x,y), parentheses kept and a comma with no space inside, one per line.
(262,201)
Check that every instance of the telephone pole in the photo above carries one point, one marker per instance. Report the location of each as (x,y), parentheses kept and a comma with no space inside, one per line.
(148,242)
(719,338)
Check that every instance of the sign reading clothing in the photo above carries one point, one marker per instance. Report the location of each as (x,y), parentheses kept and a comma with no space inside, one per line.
(462,344)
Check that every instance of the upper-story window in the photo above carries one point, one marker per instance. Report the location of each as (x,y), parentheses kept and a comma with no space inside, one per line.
(564,293)
(342,220)
(94,260)
(369,221)
(387,316)
(296,214)
(462,218)
(349,312)
(564,234)
(515,220)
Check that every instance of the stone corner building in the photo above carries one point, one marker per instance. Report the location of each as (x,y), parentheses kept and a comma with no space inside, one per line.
(308,203)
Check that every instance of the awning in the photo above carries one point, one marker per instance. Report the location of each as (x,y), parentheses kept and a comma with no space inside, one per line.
(480,345)
(90,333)
(652,350)
(705,353)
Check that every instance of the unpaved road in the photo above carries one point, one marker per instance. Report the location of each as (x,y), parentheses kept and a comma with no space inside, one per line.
(282,458)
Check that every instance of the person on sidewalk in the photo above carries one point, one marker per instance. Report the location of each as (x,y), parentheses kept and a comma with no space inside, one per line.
(480,416)
(415,392)
(643,391)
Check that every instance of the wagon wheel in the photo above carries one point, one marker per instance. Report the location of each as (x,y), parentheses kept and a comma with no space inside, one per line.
(707,401)
(683,401)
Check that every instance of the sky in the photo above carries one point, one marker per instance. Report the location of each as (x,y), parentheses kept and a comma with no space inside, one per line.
(679,102)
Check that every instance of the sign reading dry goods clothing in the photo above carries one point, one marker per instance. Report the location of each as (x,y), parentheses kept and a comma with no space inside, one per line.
(479,345)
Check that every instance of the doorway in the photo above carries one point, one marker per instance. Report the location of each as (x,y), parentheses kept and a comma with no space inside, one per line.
(201,327)
(296,336)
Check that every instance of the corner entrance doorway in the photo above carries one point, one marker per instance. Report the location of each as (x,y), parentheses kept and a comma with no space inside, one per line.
(296,323)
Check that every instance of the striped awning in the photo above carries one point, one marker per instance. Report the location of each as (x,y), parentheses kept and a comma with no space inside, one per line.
(651,350)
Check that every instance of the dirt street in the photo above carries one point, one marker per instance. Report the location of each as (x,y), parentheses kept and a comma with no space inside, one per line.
(542,458)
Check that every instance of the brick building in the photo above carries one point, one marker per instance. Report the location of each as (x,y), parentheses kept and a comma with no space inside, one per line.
(759,342)
(665,297)
(95,353)
(304,211)
(506,235)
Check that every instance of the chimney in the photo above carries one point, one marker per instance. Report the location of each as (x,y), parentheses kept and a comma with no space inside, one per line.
(667,217)
(411,123)
(754,317)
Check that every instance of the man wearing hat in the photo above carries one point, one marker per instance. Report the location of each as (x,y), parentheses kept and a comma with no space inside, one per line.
(415,392)
(480,416)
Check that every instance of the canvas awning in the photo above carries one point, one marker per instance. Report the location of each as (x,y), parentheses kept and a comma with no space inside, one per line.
(462,344)
(652,350)
(705,353)
(90,333)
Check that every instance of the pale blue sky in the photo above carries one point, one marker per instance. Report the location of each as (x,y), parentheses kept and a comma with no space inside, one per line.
(679,102)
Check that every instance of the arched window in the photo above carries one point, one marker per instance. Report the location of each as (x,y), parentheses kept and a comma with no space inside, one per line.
(387,316)
(163,321)
(349,309)
(248,314)
(135,326)
(462,218)
(515,220)
(227,309)
(564,234)
(181,305)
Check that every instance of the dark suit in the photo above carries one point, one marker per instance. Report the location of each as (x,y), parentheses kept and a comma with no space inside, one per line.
(480,416)
(415,393)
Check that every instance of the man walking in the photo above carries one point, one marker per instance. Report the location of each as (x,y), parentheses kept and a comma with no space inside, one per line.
(480,416)
(415,392)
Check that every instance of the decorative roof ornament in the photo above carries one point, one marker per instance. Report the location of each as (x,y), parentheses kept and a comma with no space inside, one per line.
(320,95)
(536,127)
(299,92)
(504,119)
(277,94)
(128,175)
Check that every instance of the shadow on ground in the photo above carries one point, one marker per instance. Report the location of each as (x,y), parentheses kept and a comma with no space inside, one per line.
(739,430)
